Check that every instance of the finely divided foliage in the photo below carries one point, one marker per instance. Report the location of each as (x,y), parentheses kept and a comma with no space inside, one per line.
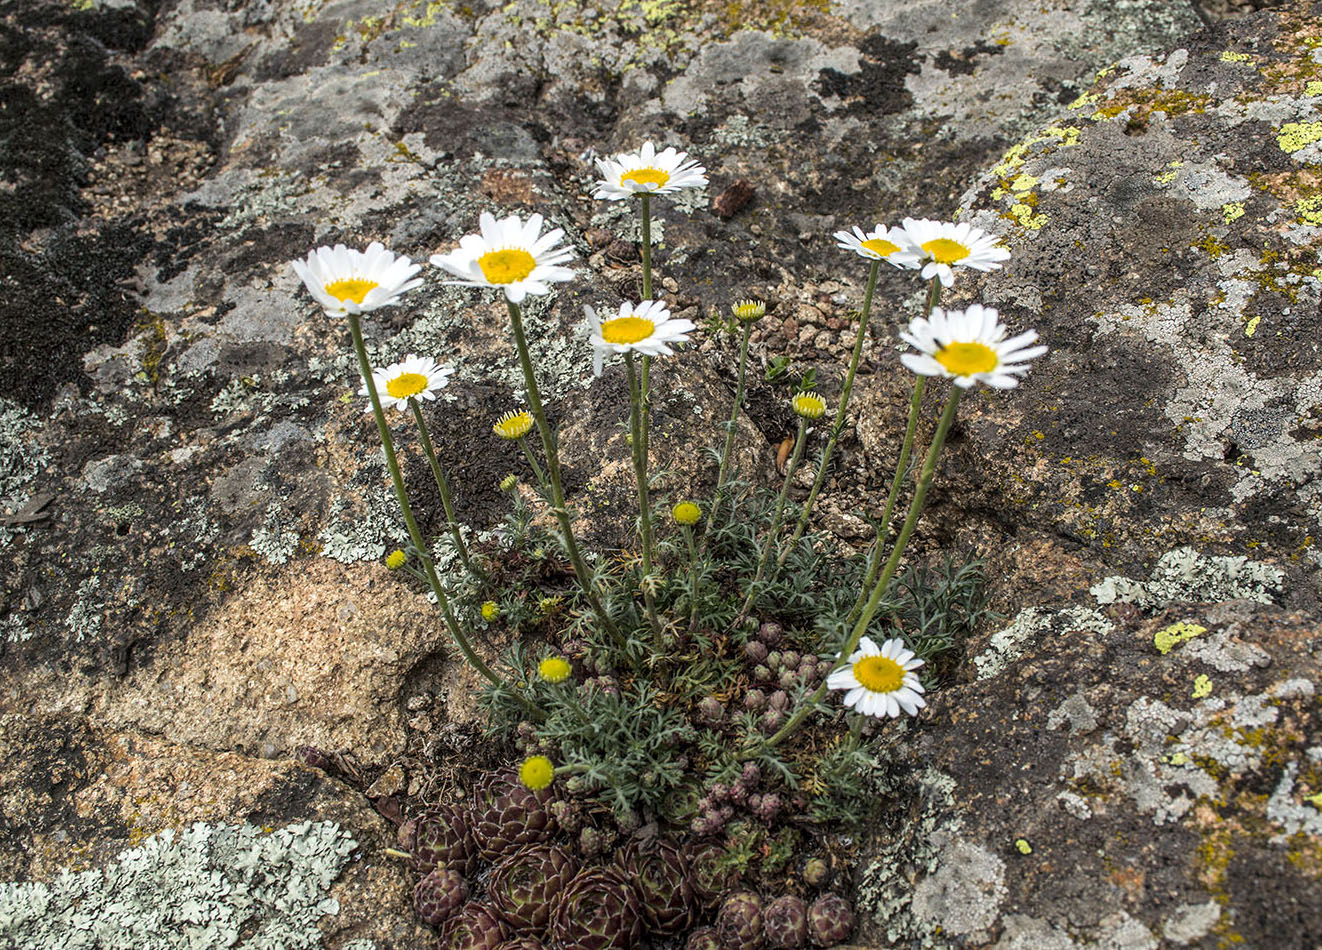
(670,703)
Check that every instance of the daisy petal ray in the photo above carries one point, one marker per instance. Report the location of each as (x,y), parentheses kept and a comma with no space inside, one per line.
(648,171)
(880,681)
(511,255)
(345,281)
(969,346)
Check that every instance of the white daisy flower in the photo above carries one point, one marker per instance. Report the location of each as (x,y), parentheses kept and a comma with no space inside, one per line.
(646,328)
(348,281)
(648,172)
(511,255)
(415,377)
(880,680)
(969,346)
(881,244)
(943,245)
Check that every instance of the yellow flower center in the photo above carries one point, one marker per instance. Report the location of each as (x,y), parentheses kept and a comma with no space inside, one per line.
(646,176)
(506,266)
(406,384)
(879,674)
(879,246)
(627,330)
(537,772)
(750,309)
(686,512)
(809,405)
(946,251)
(967,359)
(513,425)
(554,669)
(490,611)
(351,288)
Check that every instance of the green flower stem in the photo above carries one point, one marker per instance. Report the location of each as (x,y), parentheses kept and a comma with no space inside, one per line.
(883,582)
(647,295)
(733,423)
(644,507)
(901,469)
(388,445)
(883,527)
(693,576)
(644,422)
(536,468)
(838,426)
(647,245)
(557,497)
(444,487)
(775,521)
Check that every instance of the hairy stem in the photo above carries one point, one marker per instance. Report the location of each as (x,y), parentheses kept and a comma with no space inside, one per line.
(553,470)
(444,486)
(733,424)
(775,521)
(883,582)
(838,426)
(644,506)
(392,463)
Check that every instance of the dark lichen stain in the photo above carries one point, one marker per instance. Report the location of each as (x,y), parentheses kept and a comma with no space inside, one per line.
(964,62)
(878,86)
(1274,904)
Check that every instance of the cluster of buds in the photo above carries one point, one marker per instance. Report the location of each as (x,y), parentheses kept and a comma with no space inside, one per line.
(718,805)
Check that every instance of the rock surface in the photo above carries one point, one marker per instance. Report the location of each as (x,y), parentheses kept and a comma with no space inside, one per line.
(186,474)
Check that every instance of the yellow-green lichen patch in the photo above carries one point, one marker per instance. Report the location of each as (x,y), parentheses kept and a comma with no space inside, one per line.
(1167,638)
(1294,136)
(1313,88)
(1141,103)
(1251,327)
(1054,137)
(1230,56)
(1202,686)
(423,16)
(1023,215)
(1022,846)
(1168,176)
(1232,211)
(1310,210)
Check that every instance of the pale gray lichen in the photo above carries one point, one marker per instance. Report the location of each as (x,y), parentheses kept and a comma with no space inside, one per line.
(208,886)
(22,459)
(84,619)
(1006,646)
(365,532)
(1191,922)
(886,887)
(14,629)
(1184,576)
(964,894)
(1284,809)
(273,540)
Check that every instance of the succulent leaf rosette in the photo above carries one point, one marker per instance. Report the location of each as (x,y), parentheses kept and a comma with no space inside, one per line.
(830,920)
(659,872)
(440,835)
(597,911)
(739,923)
(507,814)
(710,877)
(523,887)
(785,923)
(474,927)
(439,894)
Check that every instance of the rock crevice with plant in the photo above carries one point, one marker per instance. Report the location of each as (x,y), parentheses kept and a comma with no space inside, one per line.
(671,697)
